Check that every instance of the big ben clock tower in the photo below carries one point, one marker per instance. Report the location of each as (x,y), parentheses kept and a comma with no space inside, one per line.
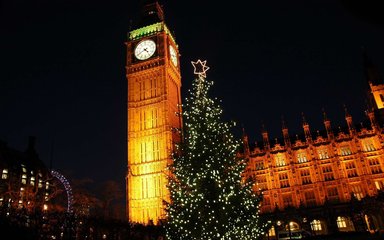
(154,106)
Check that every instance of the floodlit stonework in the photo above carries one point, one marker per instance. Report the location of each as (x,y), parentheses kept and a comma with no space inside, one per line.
(154,122)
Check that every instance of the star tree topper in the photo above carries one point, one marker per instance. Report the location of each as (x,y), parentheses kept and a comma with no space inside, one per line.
(200,68)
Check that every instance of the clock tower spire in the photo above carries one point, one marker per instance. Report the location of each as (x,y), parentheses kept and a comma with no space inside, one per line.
(154,106)
(151,12)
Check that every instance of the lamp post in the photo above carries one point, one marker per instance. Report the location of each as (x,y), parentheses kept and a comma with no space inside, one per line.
(289,230)
(278,224)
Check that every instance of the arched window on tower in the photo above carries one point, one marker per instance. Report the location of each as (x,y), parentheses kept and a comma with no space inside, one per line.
(323,154)
(368,146)
(301,157)
(345,151)
(280,160)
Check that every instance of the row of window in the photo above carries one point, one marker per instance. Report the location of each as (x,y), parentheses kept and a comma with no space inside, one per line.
(149,118)
(301,158)
(322,154)
(327,173)
(151,186)
(343,224)
(305,175)
(309,197)
(148,88)
(24,178)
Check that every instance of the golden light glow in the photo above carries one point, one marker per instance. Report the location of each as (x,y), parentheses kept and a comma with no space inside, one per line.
(153,104)
(378,94)
(338,165)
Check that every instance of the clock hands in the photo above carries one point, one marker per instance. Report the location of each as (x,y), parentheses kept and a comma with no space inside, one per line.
(145,49)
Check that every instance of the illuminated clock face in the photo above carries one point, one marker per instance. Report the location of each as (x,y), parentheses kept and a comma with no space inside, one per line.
(145,49)
(172,52)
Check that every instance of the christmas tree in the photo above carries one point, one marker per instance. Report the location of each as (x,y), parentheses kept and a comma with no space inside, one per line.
(209,197)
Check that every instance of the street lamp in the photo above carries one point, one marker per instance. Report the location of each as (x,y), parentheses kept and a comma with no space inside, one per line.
(289,229)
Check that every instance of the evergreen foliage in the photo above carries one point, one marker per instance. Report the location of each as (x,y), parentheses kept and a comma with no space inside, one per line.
(209,197)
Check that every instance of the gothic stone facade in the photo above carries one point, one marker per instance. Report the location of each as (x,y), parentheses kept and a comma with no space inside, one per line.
(323,184)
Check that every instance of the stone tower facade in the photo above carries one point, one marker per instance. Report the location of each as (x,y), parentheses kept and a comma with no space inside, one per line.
(154,107)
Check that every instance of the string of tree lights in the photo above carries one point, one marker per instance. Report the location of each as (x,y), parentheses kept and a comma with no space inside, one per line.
(209,197)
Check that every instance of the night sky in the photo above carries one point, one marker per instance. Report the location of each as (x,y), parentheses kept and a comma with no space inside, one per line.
(63,70)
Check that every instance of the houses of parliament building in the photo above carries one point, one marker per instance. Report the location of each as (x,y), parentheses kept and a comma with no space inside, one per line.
(331,181)
(325,182)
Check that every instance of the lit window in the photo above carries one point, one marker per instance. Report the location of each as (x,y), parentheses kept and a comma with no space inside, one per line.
(154,118)
(40,184)
(280,160)
(154,89)
(316,225)
(301,157)
(272,232)
(379,185)
(357,192)
(23,168)
(368,146)
(32,181)
(143,152)
(156,149)
(24,179)
(323,154)
(4,175)
(47,185)
(345,151)
(341,222)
